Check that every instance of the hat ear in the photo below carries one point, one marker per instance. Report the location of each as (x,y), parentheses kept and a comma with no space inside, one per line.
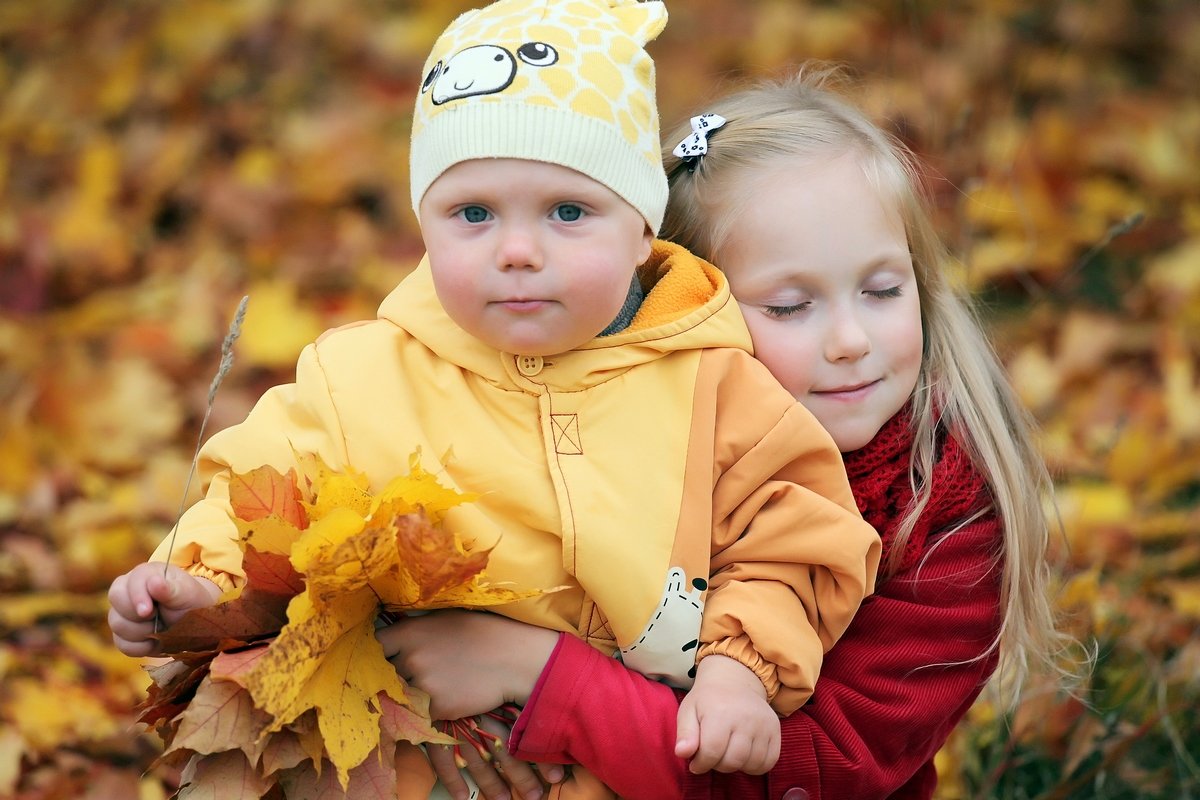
(642,20)
(463,19)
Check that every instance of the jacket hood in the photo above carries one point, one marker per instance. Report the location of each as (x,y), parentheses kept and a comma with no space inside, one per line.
(683,291)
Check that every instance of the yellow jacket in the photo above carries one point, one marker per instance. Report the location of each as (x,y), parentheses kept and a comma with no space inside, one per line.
(659,473)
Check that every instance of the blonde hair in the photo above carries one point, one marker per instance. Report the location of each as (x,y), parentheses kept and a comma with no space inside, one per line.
(962,386)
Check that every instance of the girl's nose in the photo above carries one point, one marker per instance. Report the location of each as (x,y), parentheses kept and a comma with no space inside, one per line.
(518,249)
(846,339)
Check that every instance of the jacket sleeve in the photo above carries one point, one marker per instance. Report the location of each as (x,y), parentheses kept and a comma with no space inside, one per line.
(788,543)
(292,418)
(591,710)
(893,688)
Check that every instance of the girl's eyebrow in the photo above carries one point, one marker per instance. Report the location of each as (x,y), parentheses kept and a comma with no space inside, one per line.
(897,258)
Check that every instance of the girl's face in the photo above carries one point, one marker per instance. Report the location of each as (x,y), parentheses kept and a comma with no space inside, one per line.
(821,268)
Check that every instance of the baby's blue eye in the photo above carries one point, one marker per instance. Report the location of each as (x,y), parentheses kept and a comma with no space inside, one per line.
(475,214)
(568,212)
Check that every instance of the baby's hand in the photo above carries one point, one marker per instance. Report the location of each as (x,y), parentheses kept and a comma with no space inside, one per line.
(726,722)
(148,592)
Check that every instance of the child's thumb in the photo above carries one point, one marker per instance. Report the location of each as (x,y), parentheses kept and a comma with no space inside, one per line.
(175,594)
(687,735)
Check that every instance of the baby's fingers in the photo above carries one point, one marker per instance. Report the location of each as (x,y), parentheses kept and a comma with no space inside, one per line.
(760,757)
(129,597)
(710,752)
(737,753)
(131,637)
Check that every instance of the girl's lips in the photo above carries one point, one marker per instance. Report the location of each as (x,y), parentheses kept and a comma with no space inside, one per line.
(846,392)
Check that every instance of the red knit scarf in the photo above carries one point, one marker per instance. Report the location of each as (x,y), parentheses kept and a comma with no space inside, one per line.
(880,481)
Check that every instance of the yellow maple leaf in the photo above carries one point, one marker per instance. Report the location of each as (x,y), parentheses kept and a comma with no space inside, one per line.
(347,491)
(328,660)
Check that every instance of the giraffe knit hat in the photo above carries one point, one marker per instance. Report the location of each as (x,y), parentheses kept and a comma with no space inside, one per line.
(566,82)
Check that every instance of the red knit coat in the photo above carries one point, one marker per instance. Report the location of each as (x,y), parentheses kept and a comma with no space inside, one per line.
(890,691)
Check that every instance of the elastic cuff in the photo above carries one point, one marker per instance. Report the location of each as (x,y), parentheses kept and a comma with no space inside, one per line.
(741,649)
(221,579)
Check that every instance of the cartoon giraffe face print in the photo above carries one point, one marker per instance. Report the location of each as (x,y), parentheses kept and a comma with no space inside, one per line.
(483,69)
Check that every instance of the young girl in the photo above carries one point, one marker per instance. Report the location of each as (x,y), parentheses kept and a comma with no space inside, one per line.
(815,216)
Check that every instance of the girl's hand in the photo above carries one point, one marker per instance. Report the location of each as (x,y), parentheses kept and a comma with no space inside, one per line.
(494,779)
(150,593)
(469,662)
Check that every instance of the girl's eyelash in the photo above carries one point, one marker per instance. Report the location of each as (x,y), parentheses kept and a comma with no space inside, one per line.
(780,312)
(882,293)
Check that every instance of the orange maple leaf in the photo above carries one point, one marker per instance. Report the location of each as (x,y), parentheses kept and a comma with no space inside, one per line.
(264,492)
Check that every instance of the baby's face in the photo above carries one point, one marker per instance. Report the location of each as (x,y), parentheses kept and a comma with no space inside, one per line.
(531,258)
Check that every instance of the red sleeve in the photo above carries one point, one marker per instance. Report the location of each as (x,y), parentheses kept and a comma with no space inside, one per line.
(889,693)
(588,709)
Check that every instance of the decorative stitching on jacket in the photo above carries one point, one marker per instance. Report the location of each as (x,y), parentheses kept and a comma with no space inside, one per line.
(566,434)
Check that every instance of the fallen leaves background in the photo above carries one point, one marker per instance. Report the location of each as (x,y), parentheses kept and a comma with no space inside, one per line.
(158,161)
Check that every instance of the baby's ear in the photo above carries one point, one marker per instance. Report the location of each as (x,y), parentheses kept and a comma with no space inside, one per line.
(642,20)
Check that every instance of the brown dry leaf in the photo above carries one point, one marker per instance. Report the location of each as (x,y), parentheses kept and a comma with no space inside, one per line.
(257,610)
(373,779)
(223,776)
(221,716)
(283,751)
(234,665)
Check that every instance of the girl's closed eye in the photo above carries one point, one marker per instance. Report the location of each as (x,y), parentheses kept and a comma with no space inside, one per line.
(881,294)
(783,312)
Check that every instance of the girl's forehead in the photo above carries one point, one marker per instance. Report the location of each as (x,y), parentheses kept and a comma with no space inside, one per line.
(815,218)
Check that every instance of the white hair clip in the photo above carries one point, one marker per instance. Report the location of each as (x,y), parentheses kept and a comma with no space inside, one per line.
(695,144)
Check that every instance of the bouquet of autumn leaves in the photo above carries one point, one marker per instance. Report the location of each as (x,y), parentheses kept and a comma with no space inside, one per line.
(281,689)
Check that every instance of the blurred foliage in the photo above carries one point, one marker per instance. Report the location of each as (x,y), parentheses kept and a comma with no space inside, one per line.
(160,160)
